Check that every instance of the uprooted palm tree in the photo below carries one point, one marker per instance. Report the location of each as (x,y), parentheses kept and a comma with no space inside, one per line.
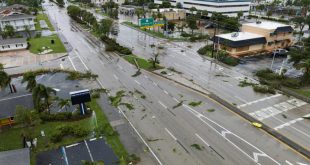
(64,103)
(30,77)
(42,97)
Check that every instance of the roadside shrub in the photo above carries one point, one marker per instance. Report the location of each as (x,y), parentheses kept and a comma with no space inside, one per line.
(56,137)
(184,34)
(232,61)
(45,116)
(65,130)
(112,45)
(80,132)
(204,50)
(268,75)
(292,83)
(263,89)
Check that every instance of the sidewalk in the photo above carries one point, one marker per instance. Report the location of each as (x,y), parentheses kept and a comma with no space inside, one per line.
(24,57)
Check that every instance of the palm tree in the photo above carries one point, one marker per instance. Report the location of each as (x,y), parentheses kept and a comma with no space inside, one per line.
(5,79)
(40,94)
(64,103)
(30,77)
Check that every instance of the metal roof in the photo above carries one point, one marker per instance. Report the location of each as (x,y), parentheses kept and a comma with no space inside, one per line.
(12,41)
(240,43)
(15,17)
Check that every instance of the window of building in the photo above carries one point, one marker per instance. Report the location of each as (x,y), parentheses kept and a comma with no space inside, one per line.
(244,48)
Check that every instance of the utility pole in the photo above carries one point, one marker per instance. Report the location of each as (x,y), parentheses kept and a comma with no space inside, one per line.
(215,30)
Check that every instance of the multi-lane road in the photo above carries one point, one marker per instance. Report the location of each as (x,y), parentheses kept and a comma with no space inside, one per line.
(172,134)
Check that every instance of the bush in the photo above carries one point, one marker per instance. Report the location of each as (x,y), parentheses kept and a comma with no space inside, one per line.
(62,116)
(80,132)
(204,50)
(184,34)
(65,130)
(112,45)
(232,61)
(292,83)
(56,137)
(264,89)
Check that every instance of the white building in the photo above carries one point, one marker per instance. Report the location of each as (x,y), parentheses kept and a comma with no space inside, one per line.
(225,7)
(13,44)
(17,20)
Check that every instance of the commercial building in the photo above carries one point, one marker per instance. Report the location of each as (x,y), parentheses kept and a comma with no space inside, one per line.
(13,44)
(18,20)
(171,14)
(256,37)
(225,7)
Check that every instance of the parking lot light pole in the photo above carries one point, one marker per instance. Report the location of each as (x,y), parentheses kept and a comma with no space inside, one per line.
(274,54)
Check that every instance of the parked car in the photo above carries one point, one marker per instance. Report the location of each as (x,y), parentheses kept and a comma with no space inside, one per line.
(280,52)
(299,47)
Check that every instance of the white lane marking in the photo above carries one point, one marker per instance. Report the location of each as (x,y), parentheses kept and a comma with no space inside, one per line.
(200,116)
(101,84)
(57,90)
(288,123)
(72,63)
(150,149)
(15,97)
(259,100)
(289,163)
(92,139)
(202,140)
(101,62)
(301,163)
(155,83)
(166,92)
(81,60)
(298,130)
(145,76)
(120,67)
(61,66)
(138,82)
(162,104)
(173,137)
(72,145)
(91,156)
(176,100)
(115,77)
(256,154)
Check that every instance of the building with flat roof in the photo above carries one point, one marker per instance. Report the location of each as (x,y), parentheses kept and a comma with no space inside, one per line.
(256,37)
(225,7)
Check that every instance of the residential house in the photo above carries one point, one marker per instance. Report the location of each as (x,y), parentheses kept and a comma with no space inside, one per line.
(256,37)
(13,44)
(18,20)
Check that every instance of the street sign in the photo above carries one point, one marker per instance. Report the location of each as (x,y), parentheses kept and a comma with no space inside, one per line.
(146,22)
(159,23)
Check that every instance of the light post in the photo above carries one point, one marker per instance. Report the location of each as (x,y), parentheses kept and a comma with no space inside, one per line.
(274,54)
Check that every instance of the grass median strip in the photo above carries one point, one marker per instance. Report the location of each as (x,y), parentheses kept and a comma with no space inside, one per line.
(45,18)
(143,63)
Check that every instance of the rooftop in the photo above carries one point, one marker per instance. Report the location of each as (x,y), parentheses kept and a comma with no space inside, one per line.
(240,36)
(14,157)
(14,16)
(12,41)
(168,9)
(267,25)
(8,105)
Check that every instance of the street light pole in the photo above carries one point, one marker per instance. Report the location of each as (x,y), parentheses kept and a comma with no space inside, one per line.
(274,54)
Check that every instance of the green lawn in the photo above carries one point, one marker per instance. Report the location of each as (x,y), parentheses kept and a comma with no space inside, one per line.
(43,17)
(144,64)
(37,44)
(303,91)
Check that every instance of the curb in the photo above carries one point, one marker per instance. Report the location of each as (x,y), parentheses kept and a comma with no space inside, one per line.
(249,118)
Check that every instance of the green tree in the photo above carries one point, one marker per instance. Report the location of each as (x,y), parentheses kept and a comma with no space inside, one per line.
(64,103)
(26,117)
(42,97)
(192,23)
(166,4)
(240,14)
(300,22)
(139,12)
(192,10)
(61,3)
(151,5)
(5,79)
(30,78)
(8,31)
(301,60)
(105,27)
(179,5)
(269,13)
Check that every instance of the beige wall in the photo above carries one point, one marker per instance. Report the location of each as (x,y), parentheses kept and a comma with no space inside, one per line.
(285,39)
(236,52)
(172,15)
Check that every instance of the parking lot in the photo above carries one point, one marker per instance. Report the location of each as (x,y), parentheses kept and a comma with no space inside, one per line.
(89,150)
